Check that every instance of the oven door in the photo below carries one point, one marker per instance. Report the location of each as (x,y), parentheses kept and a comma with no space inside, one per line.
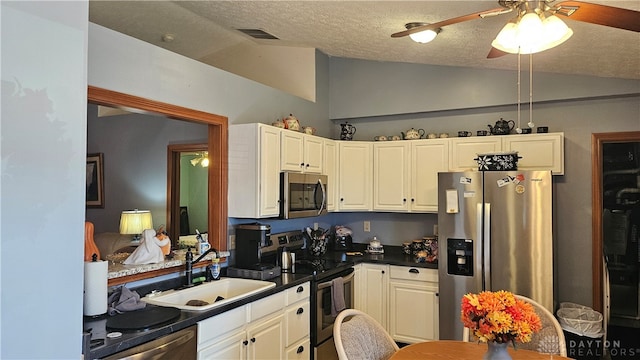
(324,319)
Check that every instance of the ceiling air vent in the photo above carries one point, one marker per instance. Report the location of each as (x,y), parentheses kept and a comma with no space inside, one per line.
(258,34)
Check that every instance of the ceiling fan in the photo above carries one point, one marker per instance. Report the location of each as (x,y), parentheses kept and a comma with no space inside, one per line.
(545,12)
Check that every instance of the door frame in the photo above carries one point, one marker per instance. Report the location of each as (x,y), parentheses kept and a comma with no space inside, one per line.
(597,142)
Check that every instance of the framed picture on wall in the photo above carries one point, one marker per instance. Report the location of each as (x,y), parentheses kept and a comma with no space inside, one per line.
(95,183)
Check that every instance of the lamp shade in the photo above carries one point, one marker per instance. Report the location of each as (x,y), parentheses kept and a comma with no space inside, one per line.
(135,221)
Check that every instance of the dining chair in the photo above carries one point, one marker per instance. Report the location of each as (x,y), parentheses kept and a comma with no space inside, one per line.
(550,339)
(359,336)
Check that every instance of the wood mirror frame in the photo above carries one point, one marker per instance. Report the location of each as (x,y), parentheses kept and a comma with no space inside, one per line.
(597,142)
(218,151)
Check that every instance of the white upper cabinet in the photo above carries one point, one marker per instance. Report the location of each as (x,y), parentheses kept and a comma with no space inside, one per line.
(428,157)
(301,152)
(391,173)
(254,171)
(538,152)
(465,150)
(354,175)
(329,167)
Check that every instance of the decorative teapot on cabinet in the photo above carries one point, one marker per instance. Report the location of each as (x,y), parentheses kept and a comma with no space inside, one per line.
(413,134)
(292,123)
(347,131)
(502,127)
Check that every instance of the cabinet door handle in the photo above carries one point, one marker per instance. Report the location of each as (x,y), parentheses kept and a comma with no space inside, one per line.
(300,349)
(245,343)
(299,289)
(300,311)
(414,271)
(437,294)
(253,339)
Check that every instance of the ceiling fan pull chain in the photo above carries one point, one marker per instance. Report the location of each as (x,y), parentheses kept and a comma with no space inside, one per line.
(519,130)
(531,124)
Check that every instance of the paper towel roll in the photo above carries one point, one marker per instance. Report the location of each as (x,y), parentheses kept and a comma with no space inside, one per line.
(95,287)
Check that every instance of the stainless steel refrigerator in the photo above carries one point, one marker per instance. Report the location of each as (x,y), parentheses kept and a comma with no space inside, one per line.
(494,233)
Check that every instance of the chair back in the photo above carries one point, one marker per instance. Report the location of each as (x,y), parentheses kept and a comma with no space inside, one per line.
(550,339)
(358,336)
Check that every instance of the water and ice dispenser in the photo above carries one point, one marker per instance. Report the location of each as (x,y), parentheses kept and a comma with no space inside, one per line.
(460,257)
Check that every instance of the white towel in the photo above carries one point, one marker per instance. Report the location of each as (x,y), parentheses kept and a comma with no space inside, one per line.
(337,296)
(149,251)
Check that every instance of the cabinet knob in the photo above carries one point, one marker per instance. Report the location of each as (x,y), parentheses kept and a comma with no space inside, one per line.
(300,311)
(413,200)
(437,294)
(341,199)
(245,343)
(383,271)
(299,289)
(300,349)
(307,165)
(414,271)
(253,339)
(404,200)
(301,164)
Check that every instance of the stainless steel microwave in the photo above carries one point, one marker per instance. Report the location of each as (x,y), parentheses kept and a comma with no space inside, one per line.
(302,195)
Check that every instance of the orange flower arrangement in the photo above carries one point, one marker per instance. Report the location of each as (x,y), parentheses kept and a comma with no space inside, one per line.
(499,317)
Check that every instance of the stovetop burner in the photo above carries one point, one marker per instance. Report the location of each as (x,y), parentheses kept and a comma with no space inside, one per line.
(321,268)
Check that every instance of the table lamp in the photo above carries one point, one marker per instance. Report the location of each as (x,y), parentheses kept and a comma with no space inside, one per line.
(134,222)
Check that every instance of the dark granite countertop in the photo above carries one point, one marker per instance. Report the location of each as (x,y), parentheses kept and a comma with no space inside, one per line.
(393,255)
(130,339)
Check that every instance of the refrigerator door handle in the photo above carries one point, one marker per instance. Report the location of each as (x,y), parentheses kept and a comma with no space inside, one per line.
(486,247)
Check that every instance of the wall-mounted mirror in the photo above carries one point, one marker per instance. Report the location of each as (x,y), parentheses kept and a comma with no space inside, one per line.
(187,186)
(217,174)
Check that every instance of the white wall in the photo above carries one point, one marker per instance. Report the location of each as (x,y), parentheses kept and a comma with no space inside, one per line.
(43,152)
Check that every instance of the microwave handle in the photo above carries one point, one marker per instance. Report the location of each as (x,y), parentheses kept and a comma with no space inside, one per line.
(324,196)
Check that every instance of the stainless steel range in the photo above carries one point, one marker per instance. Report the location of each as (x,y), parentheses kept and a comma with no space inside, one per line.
(322,271)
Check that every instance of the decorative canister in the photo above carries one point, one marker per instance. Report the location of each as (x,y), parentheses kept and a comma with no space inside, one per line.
(500,161)
(406,248)
(417,246)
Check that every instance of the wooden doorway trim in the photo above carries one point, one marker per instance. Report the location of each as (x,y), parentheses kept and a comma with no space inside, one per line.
(597,141)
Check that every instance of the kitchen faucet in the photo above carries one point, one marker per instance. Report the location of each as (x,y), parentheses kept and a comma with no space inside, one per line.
(189,263)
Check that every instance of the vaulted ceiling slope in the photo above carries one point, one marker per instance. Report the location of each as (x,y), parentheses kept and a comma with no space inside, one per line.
(362,30)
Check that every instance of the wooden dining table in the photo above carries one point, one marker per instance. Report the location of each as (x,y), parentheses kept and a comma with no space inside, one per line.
(450,350)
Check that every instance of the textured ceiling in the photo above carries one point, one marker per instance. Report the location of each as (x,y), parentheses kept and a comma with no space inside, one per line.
(362,29)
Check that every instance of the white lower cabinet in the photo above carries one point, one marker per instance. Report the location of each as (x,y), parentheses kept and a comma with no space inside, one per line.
(374,290)
(413,304)
(276,327)
(404,300)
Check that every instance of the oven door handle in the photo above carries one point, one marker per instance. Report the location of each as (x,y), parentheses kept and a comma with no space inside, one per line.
(327,284)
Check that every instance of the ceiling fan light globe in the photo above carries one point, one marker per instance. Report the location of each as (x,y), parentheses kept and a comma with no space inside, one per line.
(507,39)
(423,37)
(530,33)
(204,162)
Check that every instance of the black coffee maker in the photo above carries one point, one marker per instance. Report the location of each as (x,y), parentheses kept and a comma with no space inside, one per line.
(342,243)
(251,239)
(252,242)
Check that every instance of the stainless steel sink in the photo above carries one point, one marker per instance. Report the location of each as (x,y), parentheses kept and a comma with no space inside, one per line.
(214,294)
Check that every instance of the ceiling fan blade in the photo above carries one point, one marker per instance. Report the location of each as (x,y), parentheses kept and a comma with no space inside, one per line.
(459,19)
(495,53)
(599,14)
